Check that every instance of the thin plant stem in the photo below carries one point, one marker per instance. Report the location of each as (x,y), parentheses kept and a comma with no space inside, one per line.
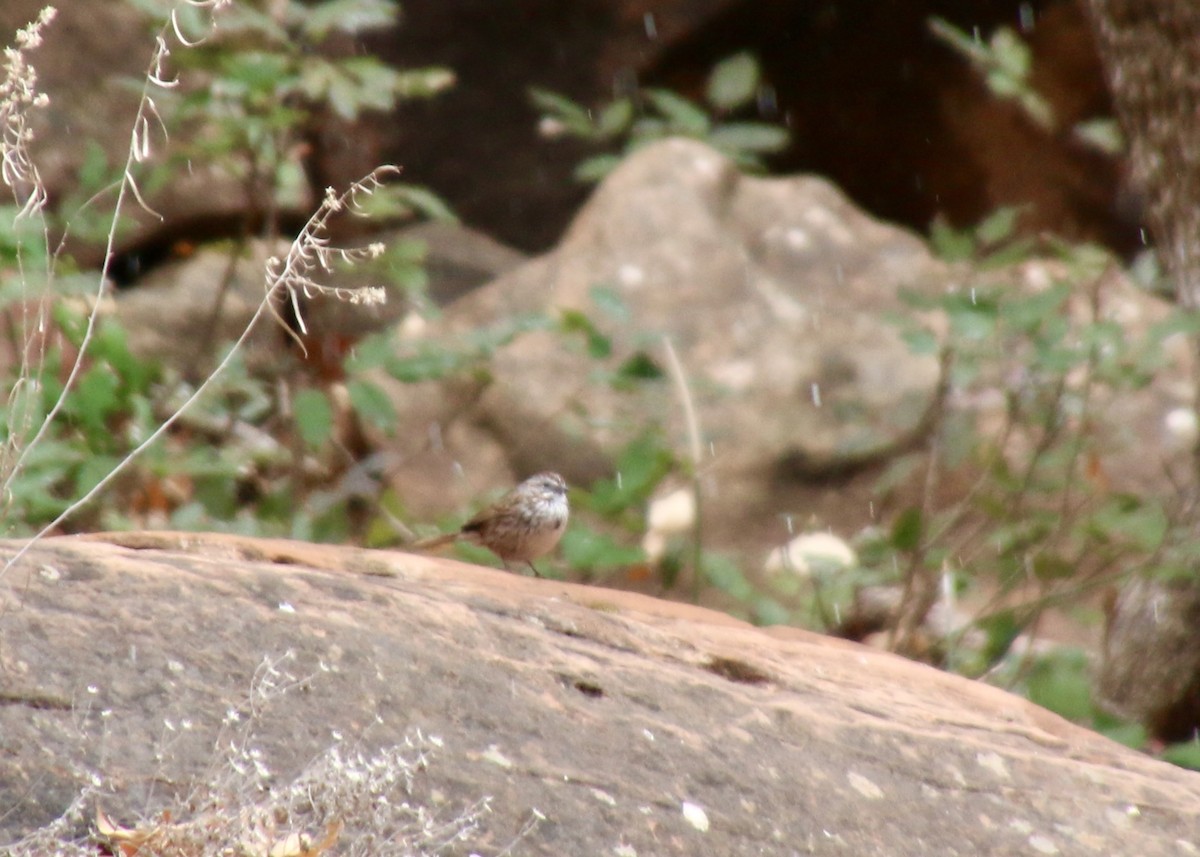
(675,369)
(123,192)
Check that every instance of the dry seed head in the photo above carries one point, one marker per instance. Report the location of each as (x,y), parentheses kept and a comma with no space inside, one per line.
(18,95)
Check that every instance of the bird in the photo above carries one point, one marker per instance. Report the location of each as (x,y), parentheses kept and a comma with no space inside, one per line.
(524,524)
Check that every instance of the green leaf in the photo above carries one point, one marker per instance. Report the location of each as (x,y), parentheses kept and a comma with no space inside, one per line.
(1104,135)
(425,201)
(1011,54)
(1052,566)
(587,550)
(1061,684)
(598,345)
(242,19)
(1000,629)
(1132,735)
(314,416)
(640,467)
(35,488)
(1009,253)
(94,399)
(921,341)
(429,363)
(724,573)
(640,366)
(965,44)
(615,119)
(949,243)
(755,137)
(347,16)
(999,225)
(1004,85)
(595,168)
(768,611)
(682,115)
(907,529)
(576,118)
(899,472)
(372,405)
(609,301)
(1181,320)
(399,200)
(371,352)
(345,96)
(1015,537)
(647,129)
(1033,312)
(975,322)
(92,470)
(110,346)
(257,70)
(1185,754)
(95,171)
(1037,108)
(371,84)
(1126,518)
(733,82)
(486,340)
(422,82)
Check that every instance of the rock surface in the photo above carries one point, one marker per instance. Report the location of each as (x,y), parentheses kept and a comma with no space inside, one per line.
(633,726)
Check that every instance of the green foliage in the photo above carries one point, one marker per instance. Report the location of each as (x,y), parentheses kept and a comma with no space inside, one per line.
(1061,684)
(1040,526)
(650,114)
(396,202)
(640,468)
(264,81)
(102,417)
(1185,754)
(1066,365)
(594,554)
(1005,63)
(733,83)
(372,405)
(426,360)
(270,83)
(991,243)
(314,417)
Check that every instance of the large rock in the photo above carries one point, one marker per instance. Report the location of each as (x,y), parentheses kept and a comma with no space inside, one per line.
(773,292)
(143,667)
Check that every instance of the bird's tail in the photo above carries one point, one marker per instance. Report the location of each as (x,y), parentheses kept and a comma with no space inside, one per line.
(434,542)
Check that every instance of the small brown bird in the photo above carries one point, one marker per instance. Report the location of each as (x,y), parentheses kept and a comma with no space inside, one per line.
(521,526)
